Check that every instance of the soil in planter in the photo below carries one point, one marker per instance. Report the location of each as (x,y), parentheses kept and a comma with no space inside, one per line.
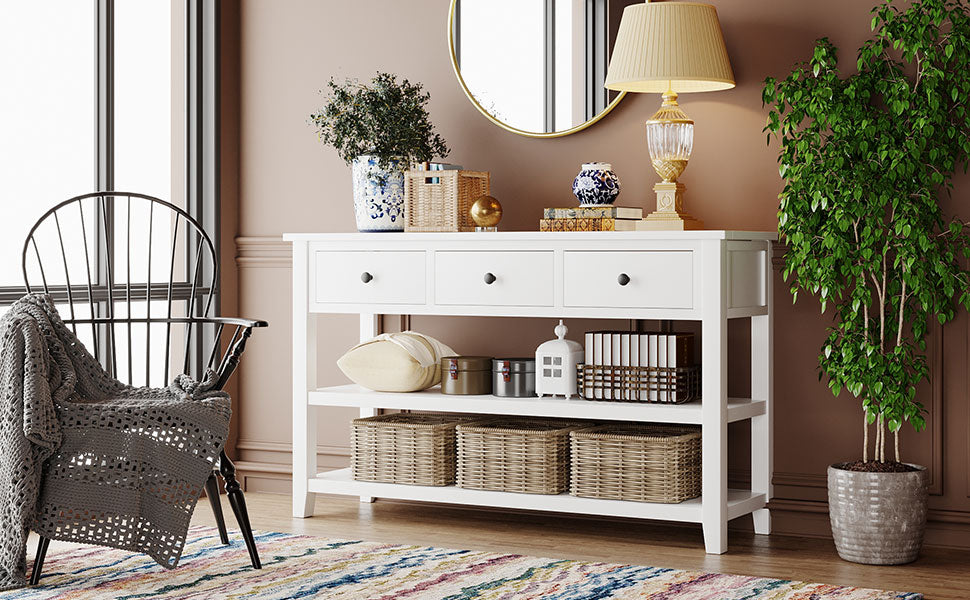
(874,466)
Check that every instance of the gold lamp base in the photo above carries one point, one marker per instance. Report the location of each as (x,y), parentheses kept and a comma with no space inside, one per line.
(669,215)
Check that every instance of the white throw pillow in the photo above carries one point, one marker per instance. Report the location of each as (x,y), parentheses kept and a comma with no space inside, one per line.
(395,362)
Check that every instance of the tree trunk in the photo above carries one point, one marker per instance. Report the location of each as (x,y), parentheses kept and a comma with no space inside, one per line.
(880,440)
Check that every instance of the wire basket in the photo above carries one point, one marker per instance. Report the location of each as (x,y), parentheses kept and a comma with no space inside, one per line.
(639,462)
(662,385)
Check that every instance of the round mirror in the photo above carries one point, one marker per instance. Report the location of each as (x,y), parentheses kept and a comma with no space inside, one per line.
(536,67)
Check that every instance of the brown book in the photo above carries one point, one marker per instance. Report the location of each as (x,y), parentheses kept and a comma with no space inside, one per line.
(680,353)
(680,349)
(587,224)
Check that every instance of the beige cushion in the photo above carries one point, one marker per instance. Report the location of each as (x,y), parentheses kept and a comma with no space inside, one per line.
(385,366)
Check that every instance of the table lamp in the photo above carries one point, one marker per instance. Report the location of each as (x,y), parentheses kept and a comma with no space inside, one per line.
(666,48)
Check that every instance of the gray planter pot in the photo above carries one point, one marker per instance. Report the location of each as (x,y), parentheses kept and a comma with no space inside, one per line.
(878,518)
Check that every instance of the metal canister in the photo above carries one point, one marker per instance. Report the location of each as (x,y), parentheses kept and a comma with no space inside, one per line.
(466,375)
(514,377)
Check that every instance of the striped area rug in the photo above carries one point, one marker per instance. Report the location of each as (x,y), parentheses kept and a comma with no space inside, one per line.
(307,567)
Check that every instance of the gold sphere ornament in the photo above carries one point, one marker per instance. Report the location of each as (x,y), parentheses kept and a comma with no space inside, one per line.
(486,212)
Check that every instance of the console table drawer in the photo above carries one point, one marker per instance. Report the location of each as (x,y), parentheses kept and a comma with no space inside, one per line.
(494,278)
(368,277)
(647,279)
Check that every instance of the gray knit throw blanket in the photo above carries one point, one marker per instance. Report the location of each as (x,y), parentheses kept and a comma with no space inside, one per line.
(85,458)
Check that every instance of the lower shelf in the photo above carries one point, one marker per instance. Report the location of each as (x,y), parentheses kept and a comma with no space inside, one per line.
(740,502)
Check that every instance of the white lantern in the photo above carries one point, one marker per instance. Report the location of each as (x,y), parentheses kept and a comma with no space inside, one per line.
(556,362)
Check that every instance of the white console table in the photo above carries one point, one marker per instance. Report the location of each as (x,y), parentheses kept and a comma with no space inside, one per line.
(705,276)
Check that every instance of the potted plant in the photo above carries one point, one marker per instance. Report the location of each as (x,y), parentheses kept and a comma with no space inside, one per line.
(380,128)
(865,158)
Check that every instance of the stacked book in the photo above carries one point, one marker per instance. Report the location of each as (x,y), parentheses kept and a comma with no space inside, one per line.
(591,218)
(658,352)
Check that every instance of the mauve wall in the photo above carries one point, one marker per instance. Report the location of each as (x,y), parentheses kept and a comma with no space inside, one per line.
(279,178)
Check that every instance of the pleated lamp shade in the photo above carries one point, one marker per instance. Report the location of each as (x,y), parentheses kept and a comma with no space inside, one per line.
(669,45)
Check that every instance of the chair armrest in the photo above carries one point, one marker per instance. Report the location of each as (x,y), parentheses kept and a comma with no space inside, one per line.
(241,322)
(230,360)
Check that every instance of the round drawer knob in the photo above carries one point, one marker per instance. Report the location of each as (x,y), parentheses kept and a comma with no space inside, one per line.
(623,279)
(489,278)
(366,277)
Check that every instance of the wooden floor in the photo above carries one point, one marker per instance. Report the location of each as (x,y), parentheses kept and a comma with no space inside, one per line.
(938,574)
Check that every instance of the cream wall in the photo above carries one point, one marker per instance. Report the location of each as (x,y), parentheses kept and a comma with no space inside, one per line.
(286,181)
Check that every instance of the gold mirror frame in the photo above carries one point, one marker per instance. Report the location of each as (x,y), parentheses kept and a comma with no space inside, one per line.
(505,126)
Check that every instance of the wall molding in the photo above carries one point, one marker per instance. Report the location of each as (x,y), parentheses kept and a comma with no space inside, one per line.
(263,251)
(285,448)
(935,359)
(778,250)
(937,404)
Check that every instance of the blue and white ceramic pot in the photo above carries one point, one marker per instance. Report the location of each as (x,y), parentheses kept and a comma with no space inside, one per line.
(378,195)
(596,185)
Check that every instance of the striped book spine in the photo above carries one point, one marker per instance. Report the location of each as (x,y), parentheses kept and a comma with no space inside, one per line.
(587,224)
(593,212)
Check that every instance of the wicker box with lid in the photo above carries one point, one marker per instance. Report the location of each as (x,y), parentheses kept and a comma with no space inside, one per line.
(529,456)
(440,200)
(412,449)
(642,462)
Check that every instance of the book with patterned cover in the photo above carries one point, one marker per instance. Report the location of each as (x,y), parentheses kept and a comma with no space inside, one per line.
(594,212)
(587,224)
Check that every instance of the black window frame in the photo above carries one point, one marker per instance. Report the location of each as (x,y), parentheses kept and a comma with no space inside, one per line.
(202,193)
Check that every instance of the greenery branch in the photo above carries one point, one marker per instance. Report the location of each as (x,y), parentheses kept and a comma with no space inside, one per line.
(864,158)
(382,118)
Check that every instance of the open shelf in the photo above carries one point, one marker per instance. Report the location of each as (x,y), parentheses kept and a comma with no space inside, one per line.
(573,408)
(340,482)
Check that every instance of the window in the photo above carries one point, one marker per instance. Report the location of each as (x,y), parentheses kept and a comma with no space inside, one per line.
(149,98)
(108,95)
(47,116)
(537,65)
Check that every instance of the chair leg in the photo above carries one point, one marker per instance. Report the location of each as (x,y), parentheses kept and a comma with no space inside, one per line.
(238,504)
(42,545)
(212,493)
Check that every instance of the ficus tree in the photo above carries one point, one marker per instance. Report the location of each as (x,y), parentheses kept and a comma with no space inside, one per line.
(865,158)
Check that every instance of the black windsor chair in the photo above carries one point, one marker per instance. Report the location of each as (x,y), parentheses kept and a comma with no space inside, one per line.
(131,272)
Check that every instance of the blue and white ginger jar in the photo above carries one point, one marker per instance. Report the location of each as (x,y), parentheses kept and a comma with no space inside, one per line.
(378,195)
(596,184)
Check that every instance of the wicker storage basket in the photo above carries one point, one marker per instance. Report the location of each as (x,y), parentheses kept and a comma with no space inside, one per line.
(639,462)
(443,205)
(662,385)
(529,456)
(413,449)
